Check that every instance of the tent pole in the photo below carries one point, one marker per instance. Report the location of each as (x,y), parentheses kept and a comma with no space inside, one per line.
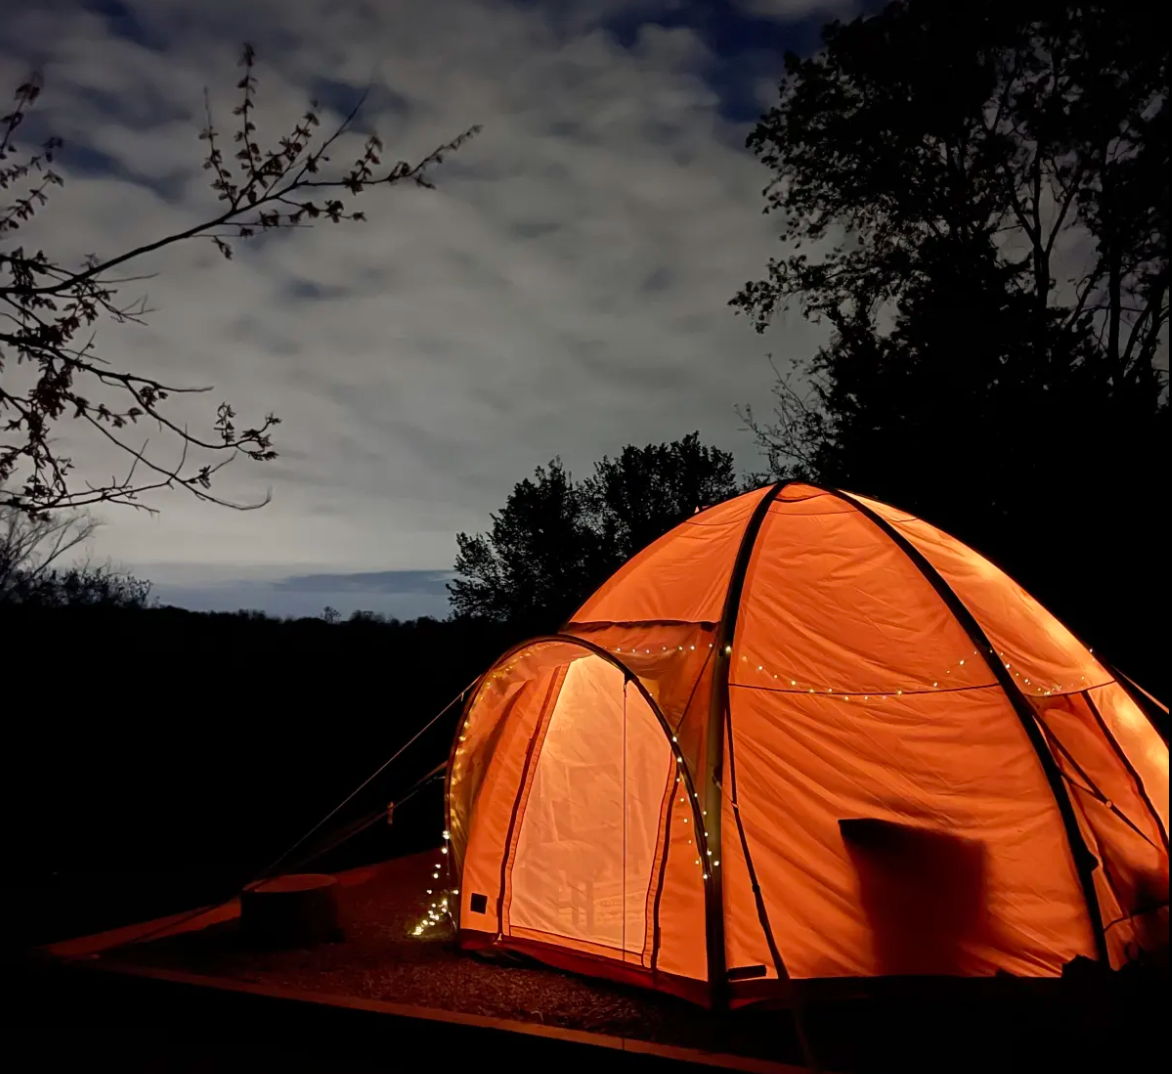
(1152,709)
(718,723)
(1085,863)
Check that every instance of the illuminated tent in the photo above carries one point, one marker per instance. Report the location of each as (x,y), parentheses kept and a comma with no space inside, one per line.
(805,735)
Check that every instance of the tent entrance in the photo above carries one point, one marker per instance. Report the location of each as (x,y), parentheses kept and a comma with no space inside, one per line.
(576,832)
(583,869)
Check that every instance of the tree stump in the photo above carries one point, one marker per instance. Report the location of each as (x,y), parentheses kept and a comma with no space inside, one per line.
(297,910)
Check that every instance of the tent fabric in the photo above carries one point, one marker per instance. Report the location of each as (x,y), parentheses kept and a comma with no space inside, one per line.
(916,769)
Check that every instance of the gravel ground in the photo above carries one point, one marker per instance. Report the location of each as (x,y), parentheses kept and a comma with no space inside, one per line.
(381,959)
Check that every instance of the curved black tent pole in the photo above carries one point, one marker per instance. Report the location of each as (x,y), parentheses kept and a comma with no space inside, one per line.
(1085,862)
(720,722)
(1155,713)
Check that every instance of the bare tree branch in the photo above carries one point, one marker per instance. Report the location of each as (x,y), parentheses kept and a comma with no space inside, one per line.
(47,306)
(31,547)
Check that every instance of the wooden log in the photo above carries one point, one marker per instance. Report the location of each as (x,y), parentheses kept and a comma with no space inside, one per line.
(297,910)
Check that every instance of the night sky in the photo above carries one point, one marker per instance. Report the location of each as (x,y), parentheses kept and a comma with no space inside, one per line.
(563,291)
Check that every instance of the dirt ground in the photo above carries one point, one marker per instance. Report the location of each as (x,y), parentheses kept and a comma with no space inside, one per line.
(380,958)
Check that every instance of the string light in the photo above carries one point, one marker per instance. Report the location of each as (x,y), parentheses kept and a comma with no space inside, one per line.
(436,910)
(937,683)
(848,695)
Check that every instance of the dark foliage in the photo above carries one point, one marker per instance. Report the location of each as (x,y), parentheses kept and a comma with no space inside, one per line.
(33,548)
(974,197)
(73,587)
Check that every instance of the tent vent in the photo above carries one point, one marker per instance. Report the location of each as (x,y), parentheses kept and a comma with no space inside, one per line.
(479,903)
(743,973)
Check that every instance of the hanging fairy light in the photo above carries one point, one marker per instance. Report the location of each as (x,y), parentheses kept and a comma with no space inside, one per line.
(936,682)
(439,908)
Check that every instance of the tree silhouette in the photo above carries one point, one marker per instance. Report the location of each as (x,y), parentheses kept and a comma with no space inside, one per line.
(48,310)
(643,493)
(557,539)
(975,199)
(529,567)
(31,548)
(34,574)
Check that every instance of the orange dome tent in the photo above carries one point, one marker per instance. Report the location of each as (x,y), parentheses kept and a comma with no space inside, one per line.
(806,735)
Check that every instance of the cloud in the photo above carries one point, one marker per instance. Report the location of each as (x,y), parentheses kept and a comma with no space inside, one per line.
(395,594)
(563,291)
(433,583)
(796,10)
